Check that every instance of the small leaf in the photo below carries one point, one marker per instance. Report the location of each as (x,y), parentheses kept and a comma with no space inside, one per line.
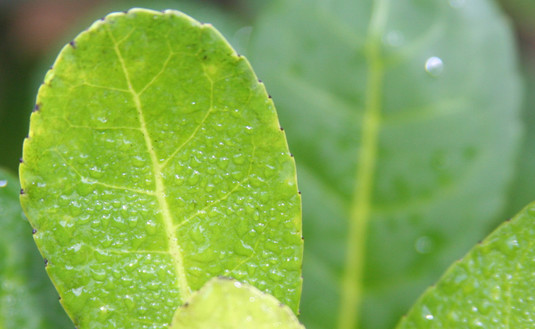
(491,287)
(27,297)
(229,304)
(155,162)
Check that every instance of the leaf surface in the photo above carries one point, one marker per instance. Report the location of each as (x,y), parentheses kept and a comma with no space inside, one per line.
(228,304)
(27,297)
(403,117)
(491,287)
(155,162)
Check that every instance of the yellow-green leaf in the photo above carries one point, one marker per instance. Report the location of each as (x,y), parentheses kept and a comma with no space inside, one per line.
(155,162)
(229,304)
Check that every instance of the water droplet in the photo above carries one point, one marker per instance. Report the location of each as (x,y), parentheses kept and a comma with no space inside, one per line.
(243,249)
(95,172)
(237,284)
(98,275)
(429,317)
(238,159)
(103,313)
(129,302)
(434,66)
(197,234)
(423,245)
(394,38)
(84,189)
(194,178)
(150,227)
(3,183)
(275,275)
(77,291)
(457,4)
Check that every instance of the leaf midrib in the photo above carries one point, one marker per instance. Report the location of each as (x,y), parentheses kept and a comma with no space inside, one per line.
(172,240)
(359,214)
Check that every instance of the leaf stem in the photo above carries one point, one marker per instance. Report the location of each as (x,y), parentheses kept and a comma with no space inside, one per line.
(359,216)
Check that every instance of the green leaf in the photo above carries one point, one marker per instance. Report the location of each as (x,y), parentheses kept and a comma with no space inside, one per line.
(403,117)
(155,162)
(27,297)
(491,287)
(229,304)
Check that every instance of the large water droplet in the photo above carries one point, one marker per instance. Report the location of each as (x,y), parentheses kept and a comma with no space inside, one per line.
(434,66)
(3,183)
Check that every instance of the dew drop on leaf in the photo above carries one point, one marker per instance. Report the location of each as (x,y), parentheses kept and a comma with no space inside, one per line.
(3,183)
(434,66)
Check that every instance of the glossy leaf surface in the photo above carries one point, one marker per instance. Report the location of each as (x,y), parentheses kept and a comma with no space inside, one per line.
(27,298)
(403,117)
(491,287)
(155,162)
(229,304)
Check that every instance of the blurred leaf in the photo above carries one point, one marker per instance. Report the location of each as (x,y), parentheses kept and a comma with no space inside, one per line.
(522,12)
(27,298)
(229,304)
(155,162)
(403,117)
(492,287)
(523,190)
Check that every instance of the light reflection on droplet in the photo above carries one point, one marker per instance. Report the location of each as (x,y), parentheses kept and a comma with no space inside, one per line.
(434,66)
(429,317)
(3,183)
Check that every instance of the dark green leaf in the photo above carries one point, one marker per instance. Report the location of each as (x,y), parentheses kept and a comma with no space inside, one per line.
(27,298)
(403,116)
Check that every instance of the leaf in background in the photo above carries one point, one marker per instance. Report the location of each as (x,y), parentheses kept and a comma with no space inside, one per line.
(155,162)
(229,304)
(27,298)
(491,287)
(523,189)
(403,117)
(522,13)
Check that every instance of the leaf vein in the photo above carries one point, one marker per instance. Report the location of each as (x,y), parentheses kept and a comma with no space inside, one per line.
(174,248)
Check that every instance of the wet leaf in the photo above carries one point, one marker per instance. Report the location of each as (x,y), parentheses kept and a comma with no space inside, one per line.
(155,162)
(27,297)
(491,287)
(403,117)
(229,304)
